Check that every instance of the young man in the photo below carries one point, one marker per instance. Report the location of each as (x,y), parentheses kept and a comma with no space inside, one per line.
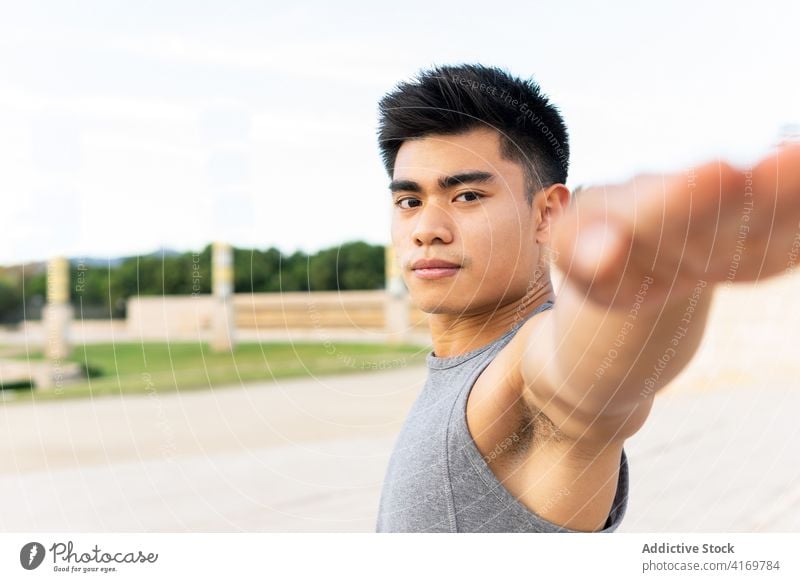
(521,424)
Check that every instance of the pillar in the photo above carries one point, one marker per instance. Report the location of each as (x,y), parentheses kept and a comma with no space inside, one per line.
(57,314)
(222,318)
(397,304)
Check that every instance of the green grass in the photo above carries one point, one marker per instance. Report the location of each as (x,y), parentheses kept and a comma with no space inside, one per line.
(164,367)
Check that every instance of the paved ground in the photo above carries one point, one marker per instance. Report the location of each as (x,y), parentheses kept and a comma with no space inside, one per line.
(309,455)
(721,460)
(296,455)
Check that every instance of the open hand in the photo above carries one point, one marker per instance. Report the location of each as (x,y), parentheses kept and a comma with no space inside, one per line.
(714,223)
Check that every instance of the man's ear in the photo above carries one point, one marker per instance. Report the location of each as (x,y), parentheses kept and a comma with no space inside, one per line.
(551,205)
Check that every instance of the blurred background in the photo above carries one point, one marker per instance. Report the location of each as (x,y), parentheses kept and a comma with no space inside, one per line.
(202,324)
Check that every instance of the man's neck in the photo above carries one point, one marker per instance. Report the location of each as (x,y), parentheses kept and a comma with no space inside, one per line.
(453,335)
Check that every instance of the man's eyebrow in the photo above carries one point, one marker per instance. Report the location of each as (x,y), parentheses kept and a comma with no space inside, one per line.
(404,186)
(445,182)
(464,178)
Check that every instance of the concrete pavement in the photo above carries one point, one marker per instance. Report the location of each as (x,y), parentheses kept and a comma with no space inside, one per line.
(309,455)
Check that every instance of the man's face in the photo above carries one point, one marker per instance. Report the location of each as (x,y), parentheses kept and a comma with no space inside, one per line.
(458,200)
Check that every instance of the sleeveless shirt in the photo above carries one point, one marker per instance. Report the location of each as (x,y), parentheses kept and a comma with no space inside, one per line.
(437,479)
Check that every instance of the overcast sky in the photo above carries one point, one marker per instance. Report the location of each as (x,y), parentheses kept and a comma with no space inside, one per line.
(129,126)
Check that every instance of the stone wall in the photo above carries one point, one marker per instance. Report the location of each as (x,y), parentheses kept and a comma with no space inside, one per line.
(189,316)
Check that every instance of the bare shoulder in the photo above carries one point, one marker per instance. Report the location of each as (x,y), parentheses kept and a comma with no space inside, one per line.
(497,407)
(567,481)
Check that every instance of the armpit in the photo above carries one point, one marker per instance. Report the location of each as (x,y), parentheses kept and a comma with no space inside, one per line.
(534,429)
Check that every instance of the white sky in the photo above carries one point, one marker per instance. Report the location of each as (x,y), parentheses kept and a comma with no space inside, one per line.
(128,126)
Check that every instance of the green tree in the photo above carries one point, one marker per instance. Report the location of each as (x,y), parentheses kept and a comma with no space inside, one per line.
(104,288)
(10,299)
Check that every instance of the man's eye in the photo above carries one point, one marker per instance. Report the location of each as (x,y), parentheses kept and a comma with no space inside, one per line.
(473,195)
(401,202)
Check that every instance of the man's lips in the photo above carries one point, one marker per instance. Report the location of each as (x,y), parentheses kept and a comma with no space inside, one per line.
(433,264)
(434,268)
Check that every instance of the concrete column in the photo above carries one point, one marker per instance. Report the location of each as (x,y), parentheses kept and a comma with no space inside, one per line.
(222,319)
(57,314)
(397,302)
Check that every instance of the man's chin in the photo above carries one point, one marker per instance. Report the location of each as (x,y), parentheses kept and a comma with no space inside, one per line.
(440,308)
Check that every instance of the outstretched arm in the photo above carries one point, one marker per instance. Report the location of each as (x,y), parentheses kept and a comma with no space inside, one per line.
(641,260)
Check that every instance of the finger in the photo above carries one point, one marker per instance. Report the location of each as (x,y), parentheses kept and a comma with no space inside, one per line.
(588,246)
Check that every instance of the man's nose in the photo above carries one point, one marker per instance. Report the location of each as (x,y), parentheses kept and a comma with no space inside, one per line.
(433,223)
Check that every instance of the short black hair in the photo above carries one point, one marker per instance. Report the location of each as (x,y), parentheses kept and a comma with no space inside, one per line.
(453,99)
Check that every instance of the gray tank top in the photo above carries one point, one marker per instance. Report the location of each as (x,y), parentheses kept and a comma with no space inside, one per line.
(437,479)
